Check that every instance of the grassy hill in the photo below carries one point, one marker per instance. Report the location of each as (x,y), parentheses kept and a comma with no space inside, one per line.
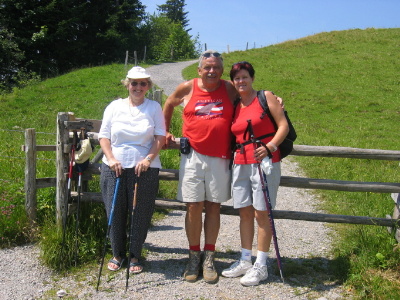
(341,88)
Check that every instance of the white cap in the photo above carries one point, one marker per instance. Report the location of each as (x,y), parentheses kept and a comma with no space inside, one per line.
(137,73)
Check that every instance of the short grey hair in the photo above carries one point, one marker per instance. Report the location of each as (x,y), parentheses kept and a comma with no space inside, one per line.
(210,53)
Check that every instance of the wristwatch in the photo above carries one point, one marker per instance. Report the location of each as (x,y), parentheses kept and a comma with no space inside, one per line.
(148,158)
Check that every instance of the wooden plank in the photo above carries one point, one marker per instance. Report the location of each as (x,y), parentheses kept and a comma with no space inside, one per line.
(42,148)
(329,218)
(88,196)
(286,181)
(96,124)
(169,174)
(77,125)
(294,182)
(98,156)
(345,152)
(330,151)
(46,182)
(340,185)
(277,214)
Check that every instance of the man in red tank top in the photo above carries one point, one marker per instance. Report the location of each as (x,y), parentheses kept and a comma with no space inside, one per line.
(204,175)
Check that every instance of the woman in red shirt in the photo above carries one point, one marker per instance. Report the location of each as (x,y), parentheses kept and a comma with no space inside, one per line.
(247,192)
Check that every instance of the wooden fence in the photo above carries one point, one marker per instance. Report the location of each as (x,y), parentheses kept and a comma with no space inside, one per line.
(66,123)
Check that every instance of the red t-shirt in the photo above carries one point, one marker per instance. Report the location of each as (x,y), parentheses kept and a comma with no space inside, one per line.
(260,127)
(207,120)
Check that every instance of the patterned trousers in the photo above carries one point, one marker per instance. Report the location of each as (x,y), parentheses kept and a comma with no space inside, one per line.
(147,190)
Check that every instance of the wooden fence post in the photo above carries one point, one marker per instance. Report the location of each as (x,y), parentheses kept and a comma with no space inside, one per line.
(126,58)
(62,169)
(395,215)
(157,96)
(135,57)
(30,174)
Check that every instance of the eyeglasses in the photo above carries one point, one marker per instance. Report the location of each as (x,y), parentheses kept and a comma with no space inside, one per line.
(142,83)
(210,54)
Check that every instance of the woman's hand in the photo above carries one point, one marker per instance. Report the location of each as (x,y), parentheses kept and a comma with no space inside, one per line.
(142,166)
(280,100)
(116,166)
(260,153)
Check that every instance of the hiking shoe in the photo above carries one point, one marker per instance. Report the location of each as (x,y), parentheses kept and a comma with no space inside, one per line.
(237,269)
(209,273)
(192,268)
(254,275)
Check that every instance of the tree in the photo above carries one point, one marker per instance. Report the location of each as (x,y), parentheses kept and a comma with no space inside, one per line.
(10,58)
(167,40)
(58,35)
(174,10)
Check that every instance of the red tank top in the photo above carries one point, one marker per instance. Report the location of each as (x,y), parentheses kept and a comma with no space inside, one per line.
(207,119)
(260,127)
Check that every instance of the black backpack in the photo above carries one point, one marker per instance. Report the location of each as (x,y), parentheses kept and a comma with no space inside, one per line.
(287,145)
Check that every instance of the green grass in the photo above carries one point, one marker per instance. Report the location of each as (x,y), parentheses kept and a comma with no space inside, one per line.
(85,92)
(341,89)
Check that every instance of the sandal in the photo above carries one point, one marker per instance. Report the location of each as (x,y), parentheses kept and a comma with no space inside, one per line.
(135,264)
(115,262)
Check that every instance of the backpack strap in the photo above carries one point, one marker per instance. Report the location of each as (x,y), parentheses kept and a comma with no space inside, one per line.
(264,104)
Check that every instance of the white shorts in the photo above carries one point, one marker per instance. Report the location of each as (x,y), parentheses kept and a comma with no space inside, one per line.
(203,177)
(247,187)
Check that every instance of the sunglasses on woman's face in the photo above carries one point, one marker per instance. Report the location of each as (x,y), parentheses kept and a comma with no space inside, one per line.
(142,83)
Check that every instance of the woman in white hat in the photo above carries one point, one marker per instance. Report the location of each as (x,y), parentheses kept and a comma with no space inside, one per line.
(131,136)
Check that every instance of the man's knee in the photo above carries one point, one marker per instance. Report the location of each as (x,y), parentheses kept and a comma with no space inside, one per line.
(212,208)
(194,207)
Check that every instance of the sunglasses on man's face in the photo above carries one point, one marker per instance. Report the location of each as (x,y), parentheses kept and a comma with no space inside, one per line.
(209,54)
(142,83)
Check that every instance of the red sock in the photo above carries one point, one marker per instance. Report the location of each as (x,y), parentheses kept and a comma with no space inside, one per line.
(209,247)
(194,248)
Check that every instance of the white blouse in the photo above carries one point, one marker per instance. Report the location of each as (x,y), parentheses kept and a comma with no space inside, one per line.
(131,130)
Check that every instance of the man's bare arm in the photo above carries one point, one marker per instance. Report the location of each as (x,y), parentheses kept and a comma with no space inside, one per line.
(182,92)
(175,99)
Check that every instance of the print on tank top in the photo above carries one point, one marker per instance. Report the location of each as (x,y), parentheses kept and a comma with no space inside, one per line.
(208,109)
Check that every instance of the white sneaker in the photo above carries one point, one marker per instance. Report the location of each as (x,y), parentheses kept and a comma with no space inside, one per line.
(237,269)
(254,275)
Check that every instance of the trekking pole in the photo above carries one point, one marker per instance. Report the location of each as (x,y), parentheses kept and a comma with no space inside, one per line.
(264,185)
(70,173)
(80,168)
(108,229)
(131,234)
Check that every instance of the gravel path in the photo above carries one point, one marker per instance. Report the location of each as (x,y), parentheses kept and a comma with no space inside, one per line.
(301,244)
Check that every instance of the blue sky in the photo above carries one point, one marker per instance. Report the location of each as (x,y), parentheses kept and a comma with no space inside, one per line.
(260,23)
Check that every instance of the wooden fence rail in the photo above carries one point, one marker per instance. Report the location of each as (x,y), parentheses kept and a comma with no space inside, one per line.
(66,123)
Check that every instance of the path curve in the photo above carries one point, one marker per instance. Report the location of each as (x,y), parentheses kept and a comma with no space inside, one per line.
(167,76)
(22,276)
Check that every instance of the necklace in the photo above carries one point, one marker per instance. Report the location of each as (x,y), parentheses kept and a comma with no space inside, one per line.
(131,108)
